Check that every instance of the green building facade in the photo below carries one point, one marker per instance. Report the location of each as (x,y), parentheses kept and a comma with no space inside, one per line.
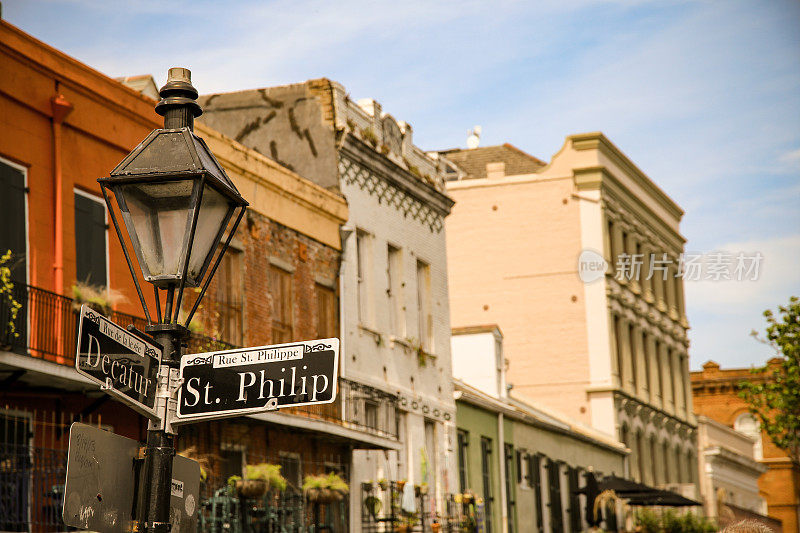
(524,465)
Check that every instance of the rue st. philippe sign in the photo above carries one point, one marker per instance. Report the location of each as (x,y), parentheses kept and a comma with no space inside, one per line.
(248,380)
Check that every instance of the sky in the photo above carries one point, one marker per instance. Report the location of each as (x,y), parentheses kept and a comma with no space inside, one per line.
(704,96)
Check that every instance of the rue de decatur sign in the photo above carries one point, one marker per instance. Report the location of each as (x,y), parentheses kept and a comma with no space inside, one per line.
(248,380)
(123,364)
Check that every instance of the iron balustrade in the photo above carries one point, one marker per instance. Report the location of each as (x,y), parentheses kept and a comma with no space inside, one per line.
(47,326)
(357,406)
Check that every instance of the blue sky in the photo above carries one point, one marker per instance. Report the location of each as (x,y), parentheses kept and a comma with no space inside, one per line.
(704,96)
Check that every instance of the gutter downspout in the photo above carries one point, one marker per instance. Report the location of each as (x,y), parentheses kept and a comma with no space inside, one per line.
(501,454)
(61,108)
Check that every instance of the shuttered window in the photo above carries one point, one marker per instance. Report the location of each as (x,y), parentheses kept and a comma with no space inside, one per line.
(280,287)
(90,240)
(12,230)
(327,312)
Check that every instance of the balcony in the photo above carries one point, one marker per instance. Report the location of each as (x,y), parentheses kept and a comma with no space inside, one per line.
(47,328)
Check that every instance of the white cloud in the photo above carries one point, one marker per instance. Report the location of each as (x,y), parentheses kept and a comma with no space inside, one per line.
(723,313)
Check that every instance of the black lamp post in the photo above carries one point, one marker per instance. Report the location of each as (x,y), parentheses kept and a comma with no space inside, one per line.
(180,211)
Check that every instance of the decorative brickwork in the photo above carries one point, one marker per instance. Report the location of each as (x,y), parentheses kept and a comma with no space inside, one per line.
(353,173)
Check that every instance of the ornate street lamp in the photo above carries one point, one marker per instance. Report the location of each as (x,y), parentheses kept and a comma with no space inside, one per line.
(176,201)
(180,211)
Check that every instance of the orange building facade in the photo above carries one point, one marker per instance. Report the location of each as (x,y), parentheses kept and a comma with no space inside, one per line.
(716,397)
(63,125)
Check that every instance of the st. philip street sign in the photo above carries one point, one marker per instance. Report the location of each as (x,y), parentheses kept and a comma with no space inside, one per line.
(251,380)
(123,364)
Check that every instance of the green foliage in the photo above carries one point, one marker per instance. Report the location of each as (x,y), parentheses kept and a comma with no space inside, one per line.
(669,521)
(7,294)
(268,472)
(232,484)
(331,481)
(773,394)
(101,299)
(369,136)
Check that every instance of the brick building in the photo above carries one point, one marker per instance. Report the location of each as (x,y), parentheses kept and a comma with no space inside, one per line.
(715,392)
(62,126)
(395,333)
(604,348)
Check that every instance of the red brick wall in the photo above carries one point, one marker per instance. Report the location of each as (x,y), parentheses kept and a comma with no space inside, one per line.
(715,396)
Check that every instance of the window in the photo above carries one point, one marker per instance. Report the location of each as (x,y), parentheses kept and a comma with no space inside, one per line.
(327,312)
(632,343)
(363,259)
(508,450)
(535,480)
(229,304)
(554,484)
(486,478)
(280,287)
(13,231)
(370,414)
(429,476)
(291,470)
(574,506)
(90,240)
(424,306)
(394,291)
(463,451)
(746,423)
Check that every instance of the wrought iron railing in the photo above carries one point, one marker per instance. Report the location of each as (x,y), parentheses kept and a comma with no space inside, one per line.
(46,326)
(357,406)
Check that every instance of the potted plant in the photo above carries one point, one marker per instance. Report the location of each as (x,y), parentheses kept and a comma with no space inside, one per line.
(325,488)
(101,299)
(383,483)
(258,479)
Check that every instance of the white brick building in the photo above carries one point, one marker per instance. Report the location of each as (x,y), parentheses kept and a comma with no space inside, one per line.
(395,327)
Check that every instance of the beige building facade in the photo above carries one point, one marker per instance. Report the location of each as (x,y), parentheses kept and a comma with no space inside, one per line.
(534,248)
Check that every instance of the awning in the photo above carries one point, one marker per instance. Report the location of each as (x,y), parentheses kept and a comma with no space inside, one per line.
(640,494)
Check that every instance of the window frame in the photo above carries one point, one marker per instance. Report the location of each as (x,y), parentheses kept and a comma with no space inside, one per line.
(26,222)
(277,268)
(425,306)
(99,200)
(395,292)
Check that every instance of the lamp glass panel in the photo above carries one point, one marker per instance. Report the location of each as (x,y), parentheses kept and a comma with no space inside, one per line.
(159,215)
(213,211)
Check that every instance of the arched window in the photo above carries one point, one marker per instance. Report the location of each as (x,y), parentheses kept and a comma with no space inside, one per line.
(746,423)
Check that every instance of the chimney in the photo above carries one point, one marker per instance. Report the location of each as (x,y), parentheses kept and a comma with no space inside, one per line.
(495,170)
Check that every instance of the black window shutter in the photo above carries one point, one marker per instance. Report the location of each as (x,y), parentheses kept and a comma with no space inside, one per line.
(90,241)
(12,228)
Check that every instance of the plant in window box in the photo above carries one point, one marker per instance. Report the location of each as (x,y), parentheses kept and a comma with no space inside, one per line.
(325,488)
(101,299)
(7,297)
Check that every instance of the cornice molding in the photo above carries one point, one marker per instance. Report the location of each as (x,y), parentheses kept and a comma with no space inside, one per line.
(598,141)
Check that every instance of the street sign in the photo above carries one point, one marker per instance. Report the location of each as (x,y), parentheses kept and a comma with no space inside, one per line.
(251,380)
(101,479)
(123,364)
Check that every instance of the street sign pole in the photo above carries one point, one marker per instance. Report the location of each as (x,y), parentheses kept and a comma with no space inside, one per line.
(160,434)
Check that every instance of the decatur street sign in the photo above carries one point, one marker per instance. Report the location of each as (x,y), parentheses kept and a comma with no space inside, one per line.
(248,380)
(125,365)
